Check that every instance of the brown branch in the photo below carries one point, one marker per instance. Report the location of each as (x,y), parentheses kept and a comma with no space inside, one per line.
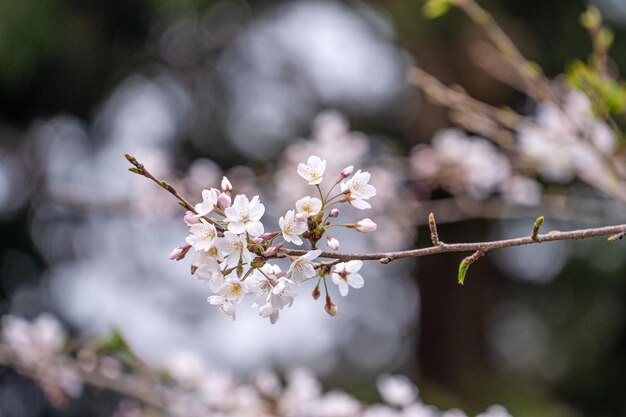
(462,102)
(386,257)
(140,169)
(615,232)
(124,384)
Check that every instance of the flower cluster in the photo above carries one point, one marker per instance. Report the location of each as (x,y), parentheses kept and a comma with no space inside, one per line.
(40,342)
(232,249)
(184,386)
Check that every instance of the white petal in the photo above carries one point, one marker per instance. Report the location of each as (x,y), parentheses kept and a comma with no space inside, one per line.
(356,280)
(360,204)
(254,228)
(237,227)
(343,288)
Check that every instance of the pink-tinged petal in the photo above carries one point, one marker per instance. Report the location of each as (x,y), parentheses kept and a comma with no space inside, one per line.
(237,227)
(356,280)
(360,204)
(336,279)
(343,288)
(254,228)
(316,182)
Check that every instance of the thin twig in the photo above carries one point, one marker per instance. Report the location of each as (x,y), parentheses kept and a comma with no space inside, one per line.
(536,85)
(461,101)
(140,169)
(386,257)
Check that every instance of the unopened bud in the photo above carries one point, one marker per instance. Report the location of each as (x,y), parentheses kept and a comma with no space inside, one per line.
(226,185)
(191,218)
(224,200)
(332,243)
(300,217)
(334,212)
(257,262)
(346,172)
(268,235)
(316,292)
(257,240)
(179,252)
(366,226)
(330,307)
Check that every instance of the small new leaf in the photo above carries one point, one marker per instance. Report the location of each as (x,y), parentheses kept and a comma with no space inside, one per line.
(463,267)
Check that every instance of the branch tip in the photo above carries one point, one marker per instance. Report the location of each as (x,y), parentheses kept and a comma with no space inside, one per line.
(432,224)
(617,236)
(535,234)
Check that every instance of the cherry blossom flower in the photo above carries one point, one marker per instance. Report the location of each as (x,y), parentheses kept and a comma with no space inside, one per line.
(244,215)
(224,306)
(346,275)
(310,206)
(236,248)
(209,201)
(283,293)
(359,189)
(396,390)
(234,290)
(202,235)
(302,268)
(207,268)
(313,170)
(291,228)
(366,226)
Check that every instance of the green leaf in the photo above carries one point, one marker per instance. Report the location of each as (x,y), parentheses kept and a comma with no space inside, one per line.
(436,8)
(115,342)
(463,267)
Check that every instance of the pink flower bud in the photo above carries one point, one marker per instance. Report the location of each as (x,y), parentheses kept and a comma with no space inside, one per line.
(331,308)
(332,243)
(191,218)
(179,252)
(346,172)
(226,185)
(268,235)
(300,217)
(334,212)
(224,199)
(366,226)
(257,240)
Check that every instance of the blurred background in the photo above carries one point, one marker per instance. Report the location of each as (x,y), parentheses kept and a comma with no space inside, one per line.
(196,89)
